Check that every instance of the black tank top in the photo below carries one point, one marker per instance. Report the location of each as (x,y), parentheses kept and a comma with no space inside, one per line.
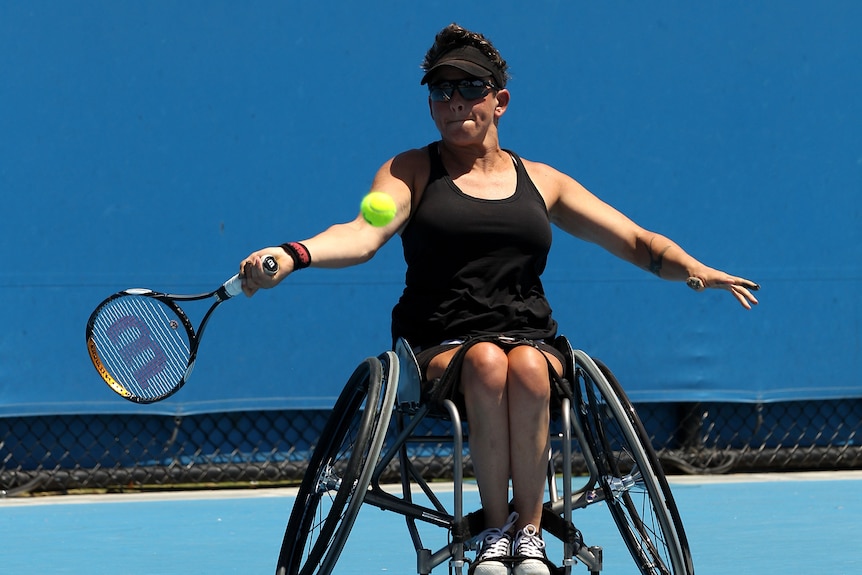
(473,265)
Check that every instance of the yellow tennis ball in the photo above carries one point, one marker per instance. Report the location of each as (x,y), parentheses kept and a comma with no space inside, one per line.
(378,209)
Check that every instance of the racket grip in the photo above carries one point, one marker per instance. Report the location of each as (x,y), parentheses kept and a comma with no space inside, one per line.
(233,286)
(270,266)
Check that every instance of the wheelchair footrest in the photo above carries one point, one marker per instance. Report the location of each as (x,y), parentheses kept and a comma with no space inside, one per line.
(469,527)
(563,530)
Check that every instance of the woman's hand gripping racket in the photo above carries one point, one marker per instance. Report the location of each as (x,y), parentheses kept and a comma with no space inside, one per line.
(143,344)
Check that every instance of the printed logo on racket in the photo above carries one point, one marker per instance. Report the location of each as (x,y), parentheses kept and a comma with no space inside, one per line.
(135,343)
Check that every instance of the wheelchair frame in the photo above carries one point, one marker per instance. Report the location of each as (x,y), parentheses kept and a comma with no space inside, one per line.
(380,404)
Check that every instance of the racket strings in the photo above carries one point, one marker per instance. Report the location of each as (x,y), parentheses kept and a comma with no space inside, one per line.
(143,344)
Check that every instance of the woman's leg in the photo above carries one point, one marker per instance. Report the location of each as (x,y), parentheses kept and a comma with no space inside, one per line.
(529,394)
(483,383)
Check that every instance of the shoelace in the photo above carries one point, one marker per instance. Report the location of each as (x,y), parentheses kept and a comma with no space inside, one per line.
(529,544)
(496,540)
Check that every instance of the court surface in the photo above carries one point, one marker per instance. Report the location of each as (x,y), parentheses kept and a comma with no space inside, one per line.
(763,524)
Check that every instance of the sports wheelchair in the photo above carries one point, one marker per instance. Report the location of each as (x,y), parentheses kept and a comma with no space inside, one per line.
(376,419)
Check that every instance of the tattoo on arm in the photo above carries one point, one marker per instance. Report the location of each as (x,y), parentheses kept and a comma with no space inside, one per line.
(655,262)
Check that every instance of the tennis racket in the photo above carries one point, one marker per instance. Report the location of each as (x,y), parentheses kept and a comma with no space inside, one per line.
(143,344)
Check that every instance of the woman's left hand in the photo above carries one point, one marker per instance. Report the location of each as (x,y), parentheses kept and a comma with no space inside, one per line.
(741,288)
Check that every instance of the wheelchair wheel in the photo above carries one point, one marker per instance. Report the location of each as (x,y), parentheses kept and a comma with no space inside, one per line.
(636,489)
(338,474)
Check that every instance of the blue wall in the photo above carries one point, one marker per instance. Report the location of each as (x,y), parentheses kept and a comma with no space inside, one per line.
(156,144)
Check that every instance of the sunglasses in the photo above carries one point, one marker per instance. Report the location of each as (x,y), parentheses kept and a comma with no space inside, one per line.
(469,89)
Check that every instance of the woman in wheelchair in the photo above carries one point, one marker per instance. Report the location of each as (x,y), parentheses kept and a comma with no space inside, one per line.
(475,224)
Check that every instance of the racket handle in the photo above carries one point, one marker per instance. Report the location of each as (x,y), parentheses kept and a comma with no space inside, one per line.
(270,266)
(233,286)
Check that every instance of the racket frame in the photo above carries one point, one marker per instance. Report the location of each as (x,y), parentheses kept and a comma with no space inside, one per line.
(226,291)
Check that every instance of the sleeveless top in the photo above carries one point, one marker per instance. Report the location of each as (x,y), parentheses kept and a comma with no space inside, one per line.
(473,265)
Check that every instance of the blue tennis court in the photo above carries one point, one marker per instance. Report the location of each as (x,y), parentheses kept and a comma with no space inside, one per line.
(765,524)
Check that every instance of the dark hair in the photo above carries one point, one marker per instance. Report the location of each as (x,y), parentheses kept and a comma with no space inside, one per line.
(454,36)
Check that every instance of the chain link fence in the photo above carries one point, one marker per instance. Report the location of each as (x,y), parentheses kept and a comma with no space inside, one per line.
(136,452)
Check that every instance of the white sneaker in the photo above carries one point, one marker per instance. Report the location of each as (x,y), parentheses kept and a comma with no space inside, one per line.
(496,547)
(530,553)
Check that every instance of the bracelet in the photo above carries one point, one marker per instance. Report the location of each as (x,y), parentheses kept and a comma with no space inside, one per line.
(299,253)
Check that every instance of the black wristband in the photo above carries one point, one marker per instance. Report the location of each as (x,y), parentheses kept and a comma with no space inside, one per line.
(299,253)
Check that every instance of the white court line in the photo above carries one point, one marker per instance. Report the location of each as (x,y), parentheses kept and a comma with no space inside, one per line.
(841,475)
(442,487)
